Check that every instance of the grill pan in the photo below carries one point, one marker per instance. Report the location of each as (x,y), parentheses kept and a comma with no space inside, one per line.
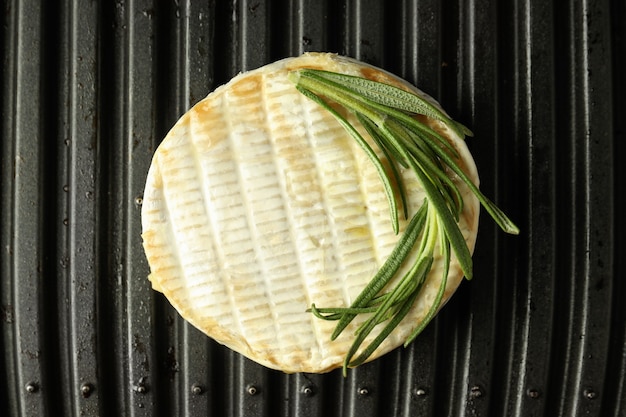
(90,88)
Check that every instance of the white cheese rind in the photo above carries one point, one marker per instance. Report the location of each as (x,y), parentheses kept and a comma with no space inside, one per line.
(258,204)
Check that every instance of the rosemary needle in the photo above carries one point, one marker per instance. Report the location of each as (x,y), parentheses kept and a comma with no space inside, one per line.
(387,114)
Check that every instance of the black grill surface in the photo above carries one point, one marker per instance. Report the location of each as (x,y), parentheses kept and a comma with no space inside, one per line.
(89,89)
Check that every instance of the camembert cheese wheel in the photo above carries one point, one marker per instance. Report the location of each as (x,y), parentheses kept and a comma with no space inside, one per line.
(258,204)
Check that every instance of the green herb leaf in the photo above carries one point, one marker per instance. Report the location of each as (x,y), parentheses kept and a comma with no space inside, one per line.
(387,114)
(393,208)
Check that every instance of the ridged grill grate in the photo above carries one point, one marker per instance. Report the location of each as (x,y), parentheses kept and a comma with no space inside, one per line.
(90,88)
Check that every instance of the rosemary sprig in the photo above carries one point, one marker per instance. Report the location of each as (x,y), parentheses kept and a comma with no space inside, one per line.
(387,114)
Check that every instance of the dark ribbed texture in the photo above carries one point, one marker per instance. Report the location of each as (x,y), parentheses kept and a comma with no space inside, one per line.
(88,91)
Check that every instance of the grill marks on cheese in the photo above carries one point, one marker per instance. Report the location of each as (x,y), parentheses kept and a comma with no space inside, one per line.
(257,168)
(257,205)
